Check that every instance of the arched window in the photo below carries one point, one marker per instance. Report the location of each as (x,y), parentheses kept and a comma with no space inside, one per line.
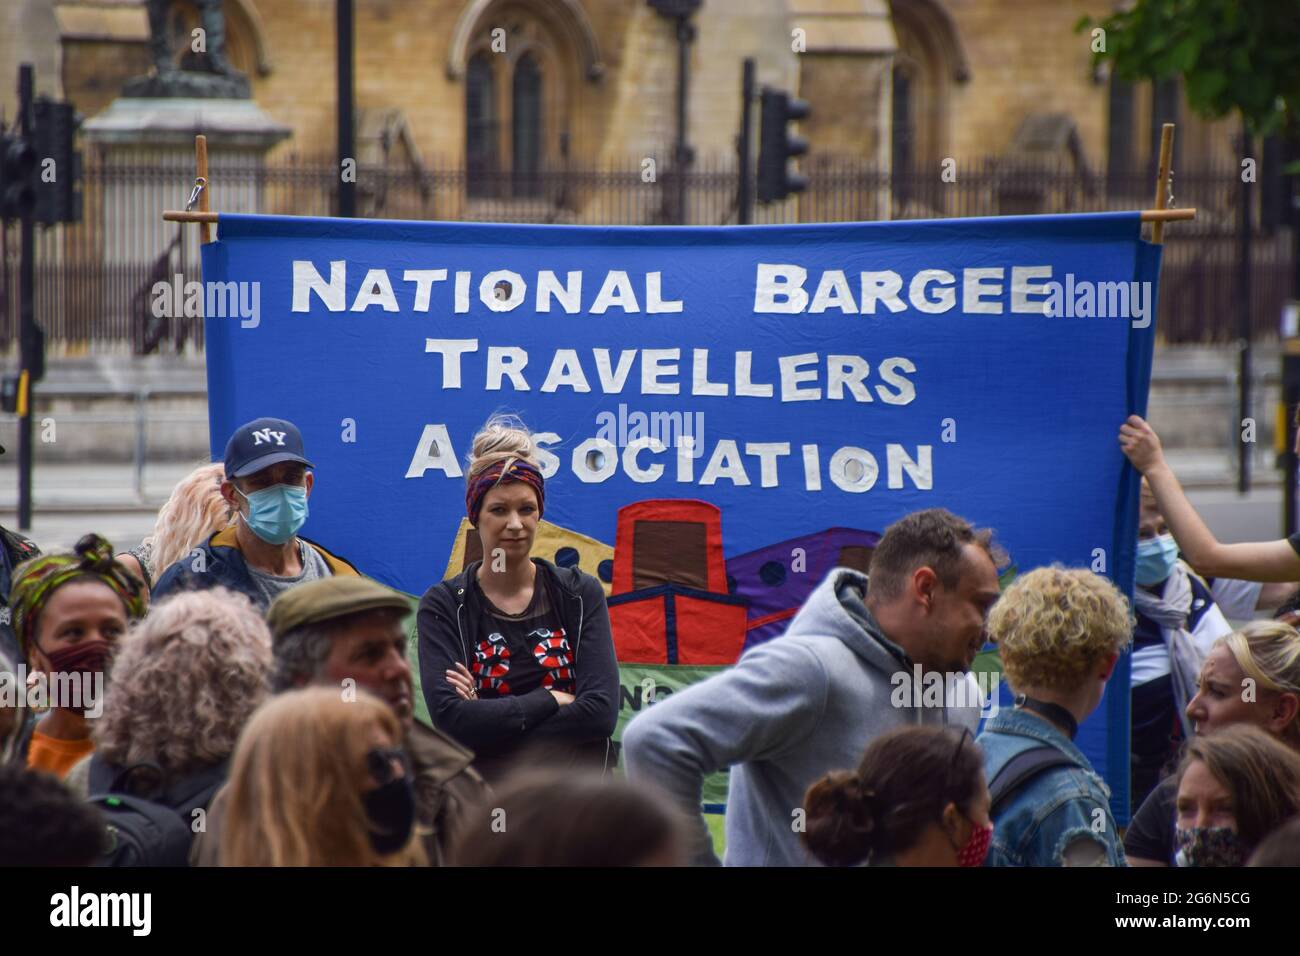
(1119,136)
(902,142)
(480,127)
(929,62)
(526,121)
(525,81)
(1129,106)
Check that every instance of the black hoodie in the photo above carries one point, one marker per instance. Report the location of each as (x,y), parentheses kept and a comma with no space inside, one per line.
(450,621)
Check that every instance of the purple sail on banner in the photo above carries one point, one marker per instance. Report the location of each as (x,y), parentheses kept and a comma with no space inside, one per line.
(778,578)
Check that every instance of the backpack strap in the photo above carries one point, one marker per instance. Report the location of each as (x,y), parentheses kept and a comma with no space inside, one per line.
(143,779)
(1020,769)
(197,790)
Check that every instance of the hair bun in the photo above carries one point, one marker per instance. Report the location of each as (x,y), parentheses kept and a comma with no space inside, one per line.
(840,819)
(502,438)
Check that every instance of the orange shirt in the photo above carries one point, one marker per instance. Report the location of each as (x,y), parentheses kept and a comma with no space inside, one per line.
(54,755)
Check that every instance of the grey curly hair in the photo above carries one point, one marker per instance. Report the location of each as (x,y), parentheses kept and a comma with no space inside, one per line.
(184,682)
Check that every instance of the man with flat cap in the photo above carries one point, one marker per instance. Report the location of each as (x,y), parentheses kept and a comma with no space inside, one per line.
(267,485)
(330,631)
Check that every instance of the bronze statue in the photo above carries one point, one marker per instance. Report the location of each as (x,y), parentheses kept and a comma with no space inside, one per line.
(207,74)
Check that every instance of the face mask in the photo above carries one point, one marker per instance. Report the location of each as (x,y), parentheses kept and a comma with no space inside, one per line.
(390,807)
(87,657)
(275,514)
(1209,846)
(1156,558)
(977,847)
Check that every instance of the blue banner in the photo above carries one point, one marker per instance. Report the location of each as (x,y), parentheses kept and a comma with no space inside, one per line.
(726,412)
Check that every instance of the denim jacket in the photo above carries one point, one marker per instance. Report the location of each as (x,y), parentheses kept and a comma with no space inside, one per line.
(1052,810)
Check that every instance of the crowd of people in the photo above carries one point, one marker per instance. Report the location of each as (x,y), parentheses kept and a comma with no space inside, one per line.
(229,693)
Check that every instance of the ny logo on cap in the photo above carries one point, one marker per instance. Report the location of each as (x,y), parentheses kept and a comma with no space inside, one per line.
(265,435)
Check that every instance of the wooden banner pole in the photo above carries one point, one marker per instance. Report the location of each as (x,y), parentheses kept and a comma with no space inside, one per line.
(1164,184)
(1148,215)
(201,174)
(1157,216)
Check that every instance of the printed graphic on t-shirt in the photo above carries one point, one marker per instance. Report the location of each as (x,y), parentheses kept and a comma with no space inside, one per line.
(551,648)
(491,664)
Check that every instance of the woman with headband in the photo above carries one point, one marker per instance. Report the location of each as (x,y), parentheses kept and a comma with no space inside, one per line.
(69,612)
(516,655)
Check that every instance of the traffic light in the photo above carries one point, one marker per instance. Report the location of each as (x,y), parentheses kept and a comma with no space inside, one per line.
(17,176)
(777,146)
(59,174)
(31,342)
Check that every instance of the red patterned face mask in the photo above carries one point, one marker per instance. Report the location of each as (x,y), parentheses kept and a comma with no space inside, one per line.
(89,656)
(81,661)
(977,847)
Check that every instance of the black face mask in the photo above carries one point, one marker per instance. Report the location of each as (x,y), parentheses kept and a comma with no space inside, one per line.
(391,806)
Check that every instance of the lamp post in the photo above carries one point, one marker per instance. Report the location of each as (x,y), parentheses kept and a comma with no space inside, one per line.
(680,11)
(344,40)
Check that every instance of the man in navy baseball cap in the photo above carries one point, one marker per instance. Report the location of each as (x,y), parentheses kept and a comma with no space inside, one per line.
(260,554)
(261,443)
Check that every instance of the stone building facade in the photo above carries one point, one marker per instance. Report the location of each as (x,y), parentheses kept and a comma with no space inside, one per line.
(521,85)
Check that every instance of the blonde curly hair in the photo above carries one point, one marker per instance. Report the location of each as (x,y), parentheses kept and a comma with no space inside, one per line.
(1054,625)
(184,682)
(194,511)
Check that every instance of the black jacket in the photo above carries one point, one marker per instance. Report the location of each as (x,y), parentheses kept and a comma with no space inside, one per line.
(450,620)
(17,549)
(223,565)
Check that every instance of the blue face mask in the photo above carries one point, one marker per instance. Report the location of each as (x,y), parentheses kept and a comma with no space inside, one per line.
(1156,558)
(275,514)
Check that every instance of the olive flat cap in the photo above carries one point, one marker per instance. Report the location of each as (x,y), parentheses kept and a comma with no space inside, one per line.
(328,598)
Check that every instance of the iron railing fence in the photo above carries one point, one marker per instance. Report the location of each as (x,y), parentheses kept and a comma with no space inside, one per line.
(95,278)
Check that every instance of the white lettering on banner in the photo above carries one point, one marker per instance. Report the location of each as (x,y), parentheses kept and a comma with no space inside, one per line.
(514,297)
(635,471)
(434,451)
(547,462)
(652,371)
(375,290)
(569,295)
(451,350)
(503,361)
(644,459)
(846,377)
(424,280)
(780,288)
(307,280)
(974,289)
(654,295)
(566,370)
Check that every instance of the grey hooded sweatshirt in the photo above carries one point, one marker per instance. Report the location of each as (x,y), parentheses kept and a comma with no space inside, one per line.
(788,712)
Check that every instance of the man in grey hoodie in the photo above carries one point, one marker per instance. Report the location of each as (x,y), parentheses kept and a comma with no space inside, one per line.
(811,700)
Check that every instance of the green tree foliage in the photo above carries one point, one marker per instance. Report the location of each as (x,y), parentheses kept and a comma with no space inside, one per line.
(1233,55)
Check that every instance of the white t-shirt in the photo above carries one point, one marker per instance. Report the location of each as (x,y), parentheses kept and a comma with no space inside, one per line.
(1236,599)
(1208,624)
